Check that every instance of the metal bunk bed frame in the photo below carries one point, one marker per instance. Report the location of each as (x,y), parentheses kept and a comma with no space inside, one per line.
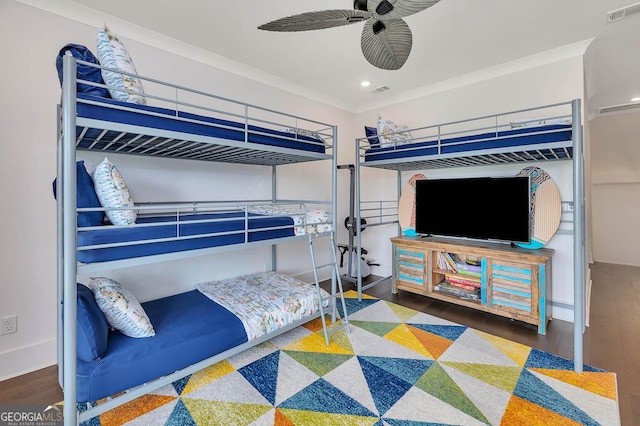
(497,156)
(199,147)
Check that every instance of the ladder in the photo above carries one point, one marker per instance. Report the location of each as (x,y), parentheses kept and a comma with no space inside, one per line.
(336,285)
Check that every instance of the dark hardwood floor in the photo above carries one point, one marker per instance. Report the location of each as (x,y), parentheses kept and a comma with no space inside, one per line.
(611,342)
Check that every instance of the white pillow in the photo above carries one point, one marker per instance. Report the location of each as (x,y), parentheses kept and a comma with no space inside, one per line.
(390,133)
(113,192)
(112,54)
(121,308)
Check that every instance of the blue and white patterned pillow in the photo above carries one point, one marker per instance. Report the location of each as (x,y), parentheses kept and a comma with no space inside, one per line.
(113,192)
(112,54)
(391,134)
(121,308)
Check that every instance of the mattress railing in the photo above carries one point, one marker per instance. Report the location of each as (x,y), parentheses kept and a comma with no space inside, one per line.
(182,215)
(325,137)
(438,143)
(178,98)
(494,127)
(439,136)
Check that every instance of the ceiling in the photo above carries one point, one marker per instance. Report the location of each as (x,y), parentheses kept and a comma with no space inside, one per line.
(451,40)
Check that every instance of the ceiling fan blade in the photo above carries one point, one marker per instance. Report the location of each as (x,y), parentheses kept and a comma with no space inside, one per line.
(386,44)
(385,10)
(316,20)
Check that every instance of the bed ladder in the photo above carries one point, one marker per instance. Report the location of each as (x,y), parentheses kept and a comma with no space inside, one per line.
(335,280)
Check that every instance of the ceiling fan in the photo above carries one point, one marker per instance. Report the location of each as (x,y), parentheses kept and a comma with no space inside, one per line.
(386,38)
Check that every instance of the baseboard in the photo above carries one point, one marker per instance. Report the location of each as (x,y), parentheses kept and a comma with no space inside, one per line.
(615,262)
(27,359)
(562,311)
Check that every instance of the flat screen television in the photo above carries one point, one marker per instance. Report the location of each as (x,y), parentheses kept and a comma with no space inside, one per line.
(496,208)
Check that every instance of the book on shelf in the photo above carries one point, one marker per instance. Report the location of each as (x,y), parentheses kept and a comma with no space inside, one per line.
(469,273)
(471,281)
(463,266)
(463,286)
(442,264)
(446,262)
(446,288)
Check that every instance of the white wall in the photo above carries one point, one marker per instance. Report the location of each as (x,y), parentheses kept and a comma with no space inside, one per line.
(30,41)
(615,174)
(550,83)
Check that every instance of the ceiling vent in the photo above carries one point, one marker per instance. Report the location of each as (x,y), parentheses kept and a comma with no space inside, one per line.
(622,107)
(380,89)
(625,12)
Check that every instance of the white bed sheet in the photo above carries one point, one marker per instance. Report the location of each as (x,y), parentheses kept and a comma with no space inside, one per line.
(313,221)
(266,301)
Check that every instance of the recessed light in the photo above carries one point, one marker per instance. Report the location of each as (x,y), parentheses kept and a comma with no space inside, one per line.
(636,99)
(365,83)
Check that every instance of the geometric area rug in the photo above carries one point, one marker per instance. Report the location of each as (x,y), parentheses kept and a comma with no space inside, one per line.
(397,367)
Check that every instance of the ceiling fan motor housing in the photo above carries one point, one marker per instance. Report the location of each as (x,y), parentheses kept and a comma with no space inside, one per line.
(383,7)
(360,5)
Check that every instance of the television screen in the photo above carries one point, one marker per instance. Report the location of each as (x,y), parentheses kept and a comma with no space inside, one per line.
(478,208)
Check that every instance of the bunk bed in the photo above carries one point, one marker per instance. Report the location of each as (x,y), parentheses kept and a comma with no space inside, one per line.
(555,133)
(209,329)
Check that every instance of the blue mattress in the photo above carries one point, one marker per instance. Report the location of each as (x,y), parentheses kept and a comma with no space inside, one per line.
(108,235)
(521,138)
(189,328)
(165,119)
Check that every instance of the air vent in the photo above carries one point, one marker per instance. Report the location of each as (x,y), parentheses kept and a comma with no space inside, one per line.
(625,12)
(380,89)
(622,107)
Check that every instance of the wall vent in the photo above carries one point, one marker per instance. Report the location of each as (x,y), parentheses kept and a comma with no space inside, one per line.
(621,107)
(380,89)
(625,12)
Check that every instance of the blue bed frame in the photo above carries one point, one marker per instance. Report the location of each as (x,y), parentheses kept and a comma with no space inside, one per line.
(156,235)
(531,143)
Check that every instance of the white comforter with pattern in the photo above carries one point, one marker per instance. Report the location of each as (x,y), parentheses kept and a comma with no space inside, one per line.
(314,221)
(266,301)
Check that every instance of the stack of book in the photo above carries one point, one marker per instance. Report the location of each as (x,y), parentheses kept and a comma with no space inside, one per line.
(464,281)
(448,288)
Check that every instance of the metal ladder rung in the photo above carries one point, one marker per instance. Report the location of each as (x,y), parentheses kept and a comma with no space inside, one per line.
(338,327)
(325,265)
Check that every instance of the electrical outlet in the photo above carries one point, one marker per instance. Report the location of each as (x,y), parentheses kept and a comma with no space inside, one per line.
(9,324)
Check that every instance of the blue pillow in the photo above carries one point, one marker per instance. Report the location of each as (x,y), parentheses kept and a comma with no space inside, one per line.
(84,72)
(85,197)
(372,136)
(92,327)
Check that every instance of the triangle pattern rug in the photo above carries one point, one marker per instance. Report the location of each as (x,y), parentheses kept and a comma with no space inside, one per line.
(396,367)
